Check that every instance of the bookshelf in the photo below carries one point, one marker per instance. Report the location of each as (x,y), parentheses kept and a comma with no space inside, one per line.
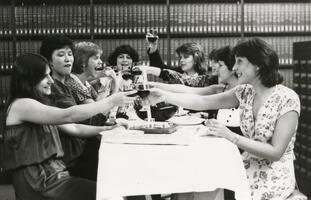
(302,85)
(110,23)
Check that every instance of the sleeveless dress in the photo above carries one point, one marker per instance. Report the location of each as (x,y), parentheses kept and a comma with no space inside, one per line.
(33,152)
(268,180)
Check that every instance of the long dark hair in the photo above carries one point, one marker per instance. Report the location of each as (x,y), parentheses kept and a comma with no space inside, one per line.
(260,54)
(28,70)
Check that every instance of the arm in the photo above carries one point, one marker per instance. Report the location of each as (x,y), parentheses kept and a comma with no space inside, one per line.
(30,110)
(284,130)
(212,89)
(194,101)
(156,61)
(83,131)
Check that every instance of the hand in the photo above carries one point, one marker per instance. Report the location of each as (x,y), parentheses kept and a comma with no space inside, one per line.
(218,129)
(122,122)
(109,72)
(106,72)
(156,96)
(152,45)
(153,84)
(123,98)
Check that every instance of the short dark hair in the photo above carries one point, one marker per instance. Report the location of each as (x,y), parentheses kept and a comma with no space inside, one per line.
(28,70)
(123,49)
(197,52)
(83,51)
(212,55)
(260,54)
(52,43)
(225,54)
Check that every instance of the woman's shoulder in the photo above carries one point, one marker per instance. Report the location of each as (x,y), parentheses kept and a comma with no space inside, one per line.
(286,92)
(17,107)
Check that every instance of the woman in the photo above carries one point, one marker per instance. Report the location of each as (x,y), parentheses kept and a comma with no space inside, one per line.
(80,154)
(87,59)
(269,118)
(122,59)
(192,69)
(32,146)
(224,61)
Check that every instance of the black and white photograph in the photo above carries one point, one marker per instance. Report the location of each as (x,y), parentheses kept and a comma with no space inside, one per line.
(155,100)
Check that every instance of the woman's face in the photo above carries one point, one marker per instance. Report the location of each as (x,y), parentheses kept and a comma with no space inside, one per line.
(245,70)
(224,73)
(124,61)
(94,62)
(214,65)
(44,86)
(62,60)
(186,62)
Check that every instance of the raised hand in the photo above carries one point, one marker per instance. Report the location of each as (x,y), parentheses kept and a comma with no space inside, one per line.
(109,72)
(152,40)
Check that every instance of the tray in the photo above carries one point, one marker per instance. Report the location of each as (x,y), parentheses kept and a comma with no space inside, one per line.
(168,130)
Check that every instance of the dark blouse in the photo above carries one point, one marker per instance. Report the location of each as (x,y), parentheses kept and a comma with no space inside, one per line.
(61,97)
(27,144)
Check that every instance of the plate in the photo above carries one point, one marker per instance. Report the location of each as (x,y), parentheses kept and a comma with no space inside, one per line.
(186,120)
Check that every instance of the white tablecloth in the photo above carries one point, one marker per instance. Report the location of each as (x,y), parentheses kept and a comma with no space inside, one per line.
(205,164)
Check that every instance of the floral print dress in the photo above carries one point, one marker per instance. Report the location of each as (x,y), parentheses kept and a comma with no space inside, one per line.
(268,180)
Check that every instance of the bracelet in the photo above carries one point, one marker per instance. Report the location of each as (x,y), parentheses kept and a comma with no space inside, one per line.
(236,139)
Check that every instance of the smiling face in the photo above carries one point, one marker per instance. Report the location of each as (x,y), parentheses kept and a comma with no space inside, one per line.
(124,61)
(44,86)
(186,62)
(246,72)
(61,61)
(94,63)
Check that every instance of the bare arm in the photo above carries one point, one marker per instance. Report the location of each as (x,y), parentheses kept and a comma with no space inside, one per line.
(179,88)
(194,101)
(83,131)
(30,110)
(284,130)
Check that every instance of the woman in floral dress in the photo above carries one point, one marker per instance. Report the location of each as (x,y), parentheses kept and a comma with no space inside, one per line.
(269,118)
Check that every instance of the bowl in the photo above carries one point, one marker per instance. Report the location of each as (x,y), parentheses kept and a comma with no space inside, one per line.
(161,112)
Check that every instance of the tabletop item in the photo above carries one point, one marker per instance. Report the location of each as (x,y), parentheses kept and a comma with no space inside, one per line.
(186,120)
(160,112)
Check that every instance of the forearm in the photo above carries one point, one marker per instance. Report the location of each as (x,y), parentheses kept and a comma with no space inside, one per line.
(155,59)
(85,111)
(190,101)
(153,70)
(179,88)
(200,102)
(83,131)
(257,148)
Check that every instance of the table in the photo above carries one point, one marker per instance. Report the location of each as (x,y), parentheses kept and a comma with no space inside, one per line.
(195,164)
